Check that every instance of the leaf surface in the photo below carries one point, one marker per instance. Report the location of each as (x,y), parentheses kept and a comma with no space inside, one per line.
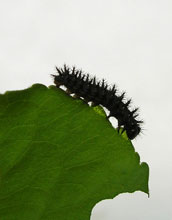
(59,157)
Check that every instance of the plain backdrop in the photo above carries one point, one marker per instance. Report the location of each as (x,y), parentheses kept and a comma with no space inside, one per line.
(127,42)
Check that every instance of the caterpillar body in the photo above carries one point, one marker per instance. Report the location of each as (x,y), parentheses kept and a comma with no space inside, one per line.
(99,93)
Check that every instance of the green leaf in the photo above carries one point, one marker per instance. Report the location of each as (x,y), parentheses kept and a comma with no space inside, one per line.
(59,157)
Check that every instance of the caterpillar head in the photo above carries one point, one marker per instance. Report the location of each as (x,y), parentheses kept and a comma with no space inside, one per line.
(133,130)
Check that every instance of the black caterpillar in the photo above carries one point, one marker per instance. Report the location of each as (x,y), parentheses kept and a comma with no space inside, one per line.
(99,93)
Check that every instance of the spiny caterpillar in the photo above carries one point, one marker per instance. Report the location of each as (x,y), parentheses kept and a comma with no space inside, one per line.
(99,93)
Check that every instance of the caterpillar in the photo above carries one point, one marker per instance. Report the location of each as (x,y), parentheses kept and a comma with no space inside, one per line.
(99,93)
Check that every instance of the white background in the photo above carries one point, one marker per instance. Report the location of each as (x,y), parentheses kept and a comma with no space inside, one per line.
(128,42)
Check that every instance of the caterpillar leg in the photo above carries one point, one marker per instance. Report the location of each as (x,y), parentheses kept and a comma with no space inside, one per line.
(76,97)
(123,129)
(68,91)
(120,128)
(93,104)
